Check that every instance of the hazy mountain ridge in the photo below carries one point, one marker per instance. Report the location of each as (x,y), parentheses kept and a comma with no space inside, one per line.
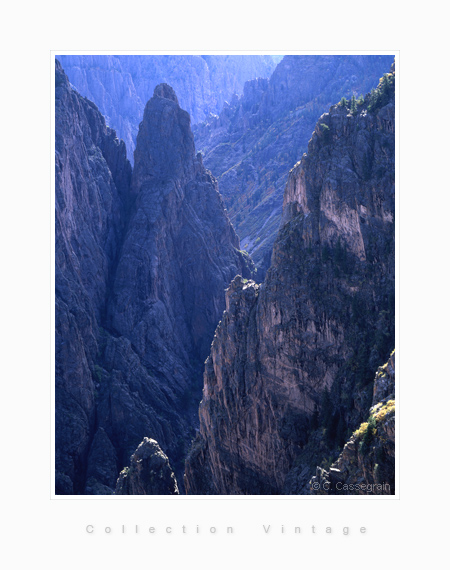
(121,85)
(253,143)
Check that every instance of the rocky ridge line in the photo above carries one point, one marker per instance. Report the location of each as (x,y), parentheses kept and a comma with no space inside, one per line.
(120,85)
(254,141)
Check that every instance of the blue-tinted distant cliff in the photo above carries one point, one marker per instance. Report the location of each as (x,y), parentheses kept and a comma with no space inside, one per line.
(121,85)
(254,142)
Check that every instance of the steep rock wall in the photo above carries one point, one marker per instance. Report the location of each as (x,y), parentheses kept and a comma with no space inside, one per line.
(92,181)
(251,146)
(142,263)
(281,394)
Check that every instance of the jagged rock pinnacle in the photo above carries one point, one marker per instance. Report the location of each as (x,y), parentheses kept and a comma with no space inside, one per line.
(165,91)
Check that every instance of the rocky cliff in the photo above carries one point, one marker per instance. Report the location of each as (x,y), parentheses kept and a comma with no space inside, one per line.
(253,143)
(290,373)
(367,462)
(149,472)
(120,85)
(92,181)
(142,262)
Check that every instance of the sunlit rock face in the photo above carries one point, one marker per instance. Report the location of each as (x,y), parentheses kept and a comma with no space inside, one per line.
(291,367)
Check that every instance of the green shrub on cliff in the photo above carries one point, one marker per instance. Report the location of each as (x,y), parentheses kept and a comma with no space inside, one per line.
(380,95)
(364,446)
(326,132)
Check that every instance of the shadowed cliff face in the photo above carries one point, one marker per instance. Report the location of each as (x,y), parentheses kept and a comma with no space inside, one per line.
(292,362)
(141,269)
(180,251)
(92,179)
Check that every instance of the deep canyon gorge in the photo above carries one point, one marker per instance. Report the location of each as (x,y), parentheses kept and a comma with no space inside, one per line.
(225,301)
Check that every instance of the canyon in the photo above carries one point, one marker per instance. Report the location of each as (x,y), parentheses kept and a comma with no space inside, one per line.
(291,367)
(142,262)
(153,289)
(121,85)
(252,117)
(253,143)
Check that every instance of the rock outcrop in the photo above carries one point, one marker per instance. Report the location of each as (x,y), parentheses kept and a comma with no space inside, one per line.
(120,85)
(291,366)
(142,263)
(180,251)
(253,143)
(149,472)
(366,465)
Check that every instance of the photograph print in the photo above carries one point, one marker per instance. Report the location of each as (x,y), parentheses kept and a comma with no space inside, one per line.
(224,275)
